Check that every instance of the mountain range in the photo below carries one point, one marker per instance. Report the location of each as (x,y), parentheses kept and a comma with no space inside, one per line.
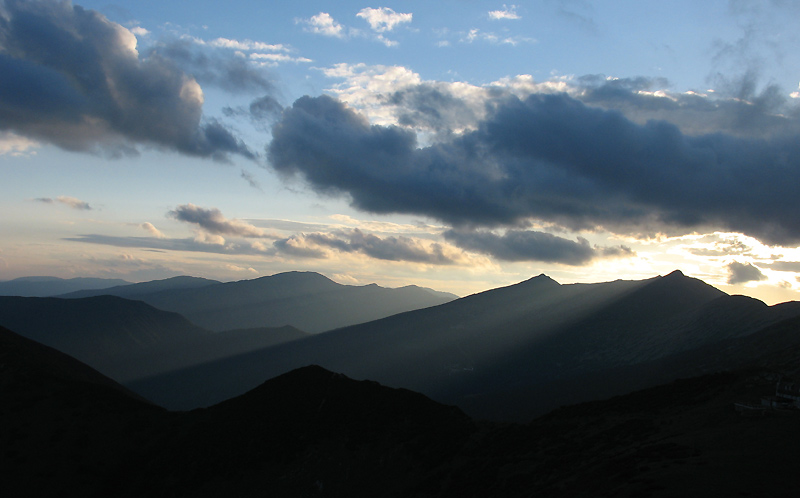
(510,353)
(52,286)
(116,331)
(313,432)
(306,300)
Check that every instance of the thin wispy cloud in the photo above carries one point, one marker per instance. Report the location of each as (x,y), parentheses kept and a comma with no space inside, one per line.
(477,35)
(388,248)
(508,12)
(71,202)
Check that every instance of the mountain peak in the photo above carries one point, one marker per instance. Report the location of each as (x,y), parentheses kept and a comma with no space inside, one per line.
(542,279)
(675,274)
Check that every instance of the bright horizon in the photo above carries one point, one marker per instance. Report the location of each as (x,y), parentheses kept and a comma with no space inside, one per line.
(460,146)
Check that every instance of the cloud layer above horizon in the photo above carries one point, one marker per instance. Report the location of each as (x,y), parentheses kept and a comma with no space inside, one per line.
(550,158)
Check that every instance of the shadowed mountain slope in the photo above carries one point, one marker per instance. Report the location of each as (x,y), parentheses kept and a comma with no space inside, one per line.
(312,432)
(306,300)
(127,339)
(527,338)
(64,425)
(52,286)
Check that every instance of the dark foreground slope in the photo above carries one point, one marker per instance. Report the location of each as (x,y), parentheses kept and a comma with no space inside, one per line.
(312,432)
(510,353)
(64,425)
(306,300)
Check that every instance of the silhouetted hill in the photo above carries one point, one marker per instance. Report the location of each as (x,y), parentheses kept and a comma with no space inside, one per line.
(678,439)
(306,300)
(64,425)
(52,286)
(482,351)
(133,291)
(312,432)
(126,339)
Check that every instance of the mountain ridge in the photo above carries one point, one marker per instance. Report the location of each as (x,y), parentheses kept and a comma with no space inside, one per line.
(530,334)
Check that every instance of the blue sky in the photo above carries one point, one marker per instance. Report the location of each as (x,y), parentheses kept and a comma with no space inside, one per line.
(460,145)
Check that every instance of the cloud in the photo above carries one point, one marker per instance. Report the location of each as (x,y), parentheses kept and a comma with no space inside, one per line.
(389,248)
(548,157)
(262,111)
(208,67)
(212,222)
(15,145)
(251,180)
(386,248)
(152,230)
(476,34)
(383,19)
(528,245)
(507,13)
(790,266)
(74,79)
(67,201)
(167,244)
(744,272)
(323,24)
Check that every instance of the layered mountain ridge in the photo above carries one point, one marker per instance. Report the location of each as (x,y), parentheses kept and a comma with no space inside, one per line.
(313,432)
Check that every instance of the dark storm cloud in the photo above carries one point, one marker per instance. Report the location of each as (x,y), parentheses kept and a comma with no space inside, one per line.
(548,157)
(528,245)
(741,273)
(74,79)
(213,221)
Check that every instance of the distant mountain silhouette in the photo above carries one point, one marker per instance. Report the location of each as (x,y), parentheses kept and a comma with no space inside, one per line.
(483,351)
(52,286)
(133,291)
(126,339)
(312,432)
(306,300)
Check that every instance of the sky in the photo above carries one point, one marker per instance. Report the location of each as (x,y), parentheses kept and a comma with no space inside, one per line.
(459,145)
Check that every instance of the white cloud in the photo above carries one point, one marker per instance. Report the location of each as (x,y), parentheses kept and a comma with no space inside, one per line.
(476,34)
(152,230)
(139,31)
(74,203)
(273,59)
(247,45)
(15,145)
(508,12)
(323,24)
(383,19)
